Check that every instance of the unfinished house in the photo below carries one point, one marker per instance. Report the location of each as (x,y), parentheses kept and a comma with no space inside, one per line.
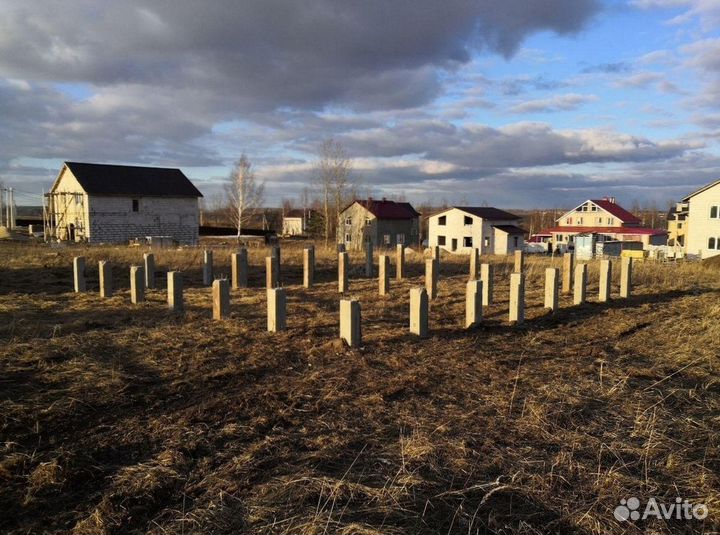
(99,203)
(460,229)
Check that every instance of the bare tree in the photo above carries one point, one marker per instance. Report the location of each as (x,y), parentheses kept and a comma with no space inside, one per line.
(333,177)
(245,193)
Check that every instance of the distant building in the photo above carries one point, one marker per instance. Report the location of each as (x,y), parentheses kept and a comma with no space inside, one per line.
(383,223)
(702,234)
(100,203)
(605,219)
(459,229)
(295,222)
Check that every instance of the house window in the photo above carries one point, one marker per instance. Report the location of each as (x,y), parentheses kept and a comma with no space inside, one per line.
(559,237)
(568,221)
(711,243)
(487,241)
(348,220)
(386,239)
(599,220)
(467,241)
(515,241)
(594,208)
(347,237)
(368,221)
(467,220)
(713,212)
(611,221)
(679,226)
(135,205)
(441,240)
(580,220)
(78,198)
(442,220)
(400,238)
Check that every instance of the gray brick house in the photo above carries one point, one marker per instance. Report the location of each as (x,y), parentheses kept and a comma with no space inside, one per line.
(99,203)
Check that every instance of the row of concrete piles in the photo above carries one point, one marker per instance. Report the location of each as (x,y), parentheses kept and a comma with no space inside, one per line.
(479,292)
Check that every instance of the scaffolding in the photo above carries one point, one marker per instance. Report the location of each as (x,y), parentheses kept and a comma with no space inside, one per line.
(8,210)
(64,216)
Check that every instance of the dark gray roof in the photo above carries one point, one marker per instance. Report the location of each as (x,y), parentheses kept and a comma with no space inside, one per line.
(488,212)
(103,179)
(510,229)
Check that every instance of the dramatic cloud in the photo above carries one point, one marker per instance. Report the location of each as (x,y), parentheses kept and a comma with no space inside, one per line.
(420,93)
(481,149)
(272,53)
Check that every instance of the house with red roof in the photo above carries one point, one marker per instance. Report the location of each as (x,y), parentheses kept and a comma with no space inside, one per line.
(383,223)
(606,219)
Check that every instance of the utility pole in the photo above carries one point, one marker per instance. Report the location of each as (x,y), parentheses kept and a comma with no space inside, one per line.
(11,225)
(6,191)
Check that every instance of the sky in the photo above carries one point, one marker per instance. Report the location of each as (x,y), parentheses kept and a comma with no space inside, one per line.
(510,103)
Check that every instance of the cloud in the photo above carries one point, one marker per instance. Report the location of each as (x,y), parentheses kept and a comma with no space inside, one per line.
(273,53)
(704,54)
(609,68)
(639,80)
(703,57)
(707,11)
(481,149)
(567,102)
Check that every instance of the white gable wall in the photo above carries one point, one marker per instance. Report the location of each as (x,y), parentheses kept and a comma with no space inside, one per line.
(591,216)
(702,227)
(73,206)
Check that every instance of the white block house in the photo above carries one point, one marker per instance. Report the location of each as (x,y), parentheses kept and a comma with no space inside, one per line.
(100,203)
(703,221)
(459,229)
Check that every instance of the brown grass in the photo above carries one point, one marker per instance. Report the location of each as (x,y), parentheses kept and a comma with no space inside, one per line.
(120,419)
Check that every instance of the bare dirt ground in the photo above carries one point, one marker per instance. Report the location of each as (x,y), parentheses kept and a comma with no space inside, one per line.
(119,418)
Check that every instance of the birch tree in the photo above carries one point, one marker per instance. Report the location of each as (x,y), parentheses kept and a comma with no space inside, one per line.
(333,177)
(245,192)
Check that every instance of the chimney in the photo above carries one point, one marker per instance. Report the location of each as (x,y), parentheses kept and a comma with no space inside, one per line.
(610,199)
(384,199)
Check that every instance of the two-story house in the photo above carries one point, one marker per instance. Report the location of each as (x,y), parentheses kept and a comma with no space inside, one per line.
(460,229)
(606,219)
(703,216)
(383,223)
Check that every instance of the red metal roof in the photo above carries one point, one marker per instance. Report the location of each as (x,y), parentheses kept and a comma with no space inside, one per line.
(616,210)
(605,230)
(385,209)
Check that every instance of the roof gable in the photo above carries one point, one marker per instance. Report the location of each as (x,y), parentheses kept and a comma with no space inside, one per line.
(700,190)
(103,179)
(610,207)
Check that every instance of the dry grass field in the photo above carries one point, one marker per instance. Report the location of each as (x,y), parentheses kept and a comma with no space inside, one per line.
(119,418)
